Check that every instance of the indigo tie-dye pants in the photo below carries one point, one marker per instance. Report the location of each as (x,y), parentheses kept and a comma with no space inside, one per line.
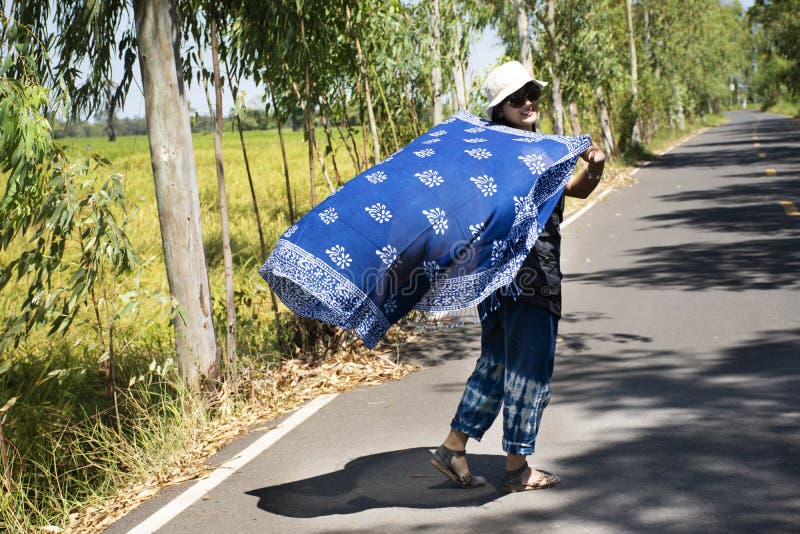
(518,342)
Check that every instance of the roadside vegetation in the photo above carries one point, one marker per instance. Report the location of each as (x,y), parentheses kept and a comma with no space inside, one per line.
(100,404)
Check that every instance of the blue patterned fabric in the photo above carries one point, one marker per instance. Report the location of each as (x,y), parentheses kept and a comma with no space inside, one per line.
(438,226)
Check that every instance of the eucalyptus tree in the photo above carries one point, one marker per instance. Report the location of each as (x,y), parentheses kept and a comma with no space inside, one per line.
(777,27)
(589,65)
(82,40)
(298,48)
(634,74)
(63,224)
(436,55)
(208,25)
(394,34)
(520,10)
(695,51)
(554,44)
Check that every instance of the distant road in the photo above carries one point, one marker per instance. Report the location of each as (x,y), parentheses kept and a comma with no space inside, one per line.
(676,403)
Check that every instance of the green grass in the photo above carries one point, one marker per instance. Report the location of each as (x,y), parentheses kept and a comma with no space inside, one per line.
(785,107)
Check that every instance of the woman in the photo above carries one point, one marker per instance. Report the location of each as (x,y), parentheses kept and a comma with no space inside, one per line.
(518,337)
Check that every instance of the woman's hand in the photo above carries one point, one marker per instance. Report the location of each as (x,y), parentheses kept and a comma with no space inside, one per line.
(595,158)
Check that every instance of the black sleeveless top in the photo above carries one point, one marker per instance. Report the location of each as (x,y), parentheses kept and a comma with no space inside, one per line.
(539,278)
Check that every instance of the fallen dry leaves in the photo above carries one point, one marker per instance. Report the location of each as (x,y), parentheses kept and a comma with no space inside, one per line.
(263,396)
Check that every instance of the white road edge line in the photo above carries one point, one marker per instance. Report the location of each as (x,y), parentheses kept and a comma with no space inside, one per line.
(201,487)
(584,209)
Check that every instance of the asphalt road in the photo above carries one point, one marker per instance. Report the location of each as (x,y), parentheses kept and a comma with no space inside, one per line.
(675,404)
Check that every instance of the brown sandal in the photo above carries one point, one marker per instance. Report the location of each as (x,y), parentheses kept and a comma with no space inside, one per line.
(442,459)
(512,480)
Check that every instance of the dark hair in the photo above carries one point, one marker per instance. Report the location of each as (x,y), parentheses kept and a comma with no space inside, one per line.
(497,114)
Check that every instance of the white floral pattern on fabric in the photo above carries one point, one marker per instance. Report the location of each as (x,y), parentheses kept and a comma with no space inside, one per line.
(475,140)
(328,294)
(485,184)
(437,133)
(534,162)
(290,232)
(379,212)
(424,153)
(431,269)
(534,139)
(475,129)
(339,256)
(431,141)
(391,157)
(479,153)
(376,177)
(329,215)
(430,178)
(498,247)
(388,255)
(476,230)
(522,205)
(390,305)
(437,218)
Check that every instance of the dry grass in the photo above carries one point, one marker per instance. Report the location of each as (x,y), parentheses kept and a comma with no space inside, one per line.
(266,395)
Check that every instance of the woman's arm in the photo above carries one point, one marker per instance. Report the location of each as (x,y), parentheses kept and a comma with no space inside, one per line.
(583,183)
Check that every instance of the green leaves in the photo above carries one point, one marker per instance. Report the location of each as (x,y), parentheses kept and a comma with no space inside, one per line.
(63,218)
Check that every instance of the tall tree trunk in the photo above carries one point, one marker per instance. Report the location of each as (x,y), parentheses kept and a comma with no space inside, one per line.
(352,152)
(327,129)
(635,133)
(555,91)
(323,168)
(436,72)
(227,256)
(362,66)
(278,121)
(346,125)
(253,197)
(523,34)
(177,195)
(306,105)
(413,109)
(459,85)
(388,111)
(605,123)
(110,111)
(363,124)
(575,119)
(679,115)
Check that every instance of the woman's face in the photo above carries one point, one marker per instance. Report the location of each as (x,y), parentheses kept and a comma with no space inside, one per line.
(521,109)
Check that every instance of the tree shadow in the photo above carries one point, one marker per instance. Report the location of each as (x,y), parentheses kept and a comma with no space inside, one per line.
(432,347)
(403,478)
(722,455)
(759,264)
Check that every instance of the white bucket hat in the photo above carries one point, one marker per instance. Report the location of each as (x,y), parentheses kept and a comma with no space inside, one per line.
(503,81)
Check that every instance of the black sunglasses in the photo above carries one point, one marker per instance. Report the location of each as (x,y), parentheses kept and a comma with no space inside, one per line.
(529,91)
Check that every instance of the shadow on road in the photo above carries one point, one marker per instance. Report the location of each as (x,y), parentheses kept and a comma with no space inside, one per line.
(767,254)
(722,445)
(769,263)
(437,346)
(403,478)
